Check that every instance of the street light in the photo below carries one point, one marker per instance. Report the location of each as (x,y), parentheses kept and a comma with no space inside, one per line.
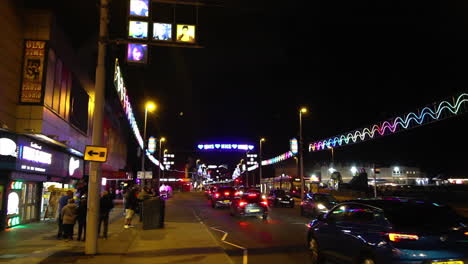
(260,164)
(303,110)
(149,106)
(332,153)
(161,140)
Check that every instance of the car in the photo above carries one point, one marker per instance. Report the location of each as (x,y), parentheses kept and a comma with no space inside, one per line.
(315,203)
(250,204)
(280,197)
(389,231)
(222,197)
(209,192)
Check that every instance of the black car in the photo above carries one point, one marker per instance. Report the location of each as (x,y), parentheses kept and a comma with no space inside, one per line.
(250,204)
(222,197)
(316,203)
(280,198)
(389,231)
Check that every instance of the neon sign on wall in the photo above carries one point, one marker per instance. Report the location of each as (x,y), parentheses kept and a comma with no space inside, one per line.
(441,111)
(241,147)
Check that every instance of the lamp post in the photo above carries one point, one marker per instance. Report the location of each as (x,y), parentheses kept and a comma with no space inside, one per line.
(164,154)
(332,154)
(303,110)
(149,106)
(260,164)
(161,140)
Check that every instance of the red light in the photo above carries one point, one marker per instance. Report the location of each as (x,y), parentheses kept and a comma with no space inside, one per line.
(242,203)
(252,195)
(396,237)
(265,203)
(226,193)
(302,203)
(217,195)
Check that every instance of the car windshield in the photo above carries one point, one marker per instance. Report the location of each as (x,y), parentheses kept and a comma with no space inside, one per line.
(422,215)
(280,192)
(324,198)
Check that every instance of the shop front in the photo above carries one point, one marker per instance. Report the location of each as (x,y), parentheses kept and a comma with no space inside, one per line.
(28,170)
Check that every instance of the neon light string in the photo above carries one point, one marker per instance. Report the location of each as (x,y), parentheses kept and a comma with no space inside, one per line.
(279,158)
(426,115)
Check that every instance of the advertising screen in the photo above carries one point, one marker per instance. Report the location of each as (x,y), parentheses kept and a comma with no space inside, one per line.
(162,31)
(186,33)
(138,29)
(139,8)
(33,69)
(137,53)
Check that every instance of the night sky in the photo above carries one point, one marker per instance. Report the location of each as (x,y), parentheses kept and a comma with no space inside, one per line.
(352,63)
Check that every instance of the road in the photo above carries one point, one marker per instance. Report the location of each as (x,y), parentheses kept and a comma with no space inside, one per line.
(280,239)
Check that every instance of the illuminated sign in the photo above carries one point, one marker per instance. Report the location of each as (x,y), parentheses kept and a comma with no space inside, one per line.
(34,154)
(186,33)
(139,8)
(277,159)
(7,147)
(294,145)
(33,69)
(152,145)
(162,31)
(16,185)
(122,93)
(137,53)
(73,164)
(138,29)
(13,221)
(225,147)
(13,203)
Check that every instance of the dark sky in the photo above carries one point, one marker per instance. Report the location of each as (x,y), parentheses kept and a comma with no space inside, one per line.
(351,62)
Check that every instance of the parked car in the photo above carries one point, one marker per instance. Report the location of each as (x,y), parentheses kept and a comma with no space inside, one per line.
(222,197)
(250,204)
(389,231)
(280,197)
(315,203)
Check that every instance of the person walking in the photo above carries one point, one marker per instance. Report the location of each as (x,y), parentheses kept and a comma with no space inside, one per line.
(81,216)
(106,205)
(69,214)
(131,204)
(63,201)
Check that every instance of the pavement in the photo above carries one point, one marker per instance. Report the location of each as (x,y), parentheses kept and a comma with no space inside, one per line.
(184,239)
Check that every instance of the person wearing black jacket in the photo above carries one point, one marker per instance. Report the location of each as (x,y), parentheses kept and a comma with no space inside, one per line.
(131,204)
(82,212)
(106,206)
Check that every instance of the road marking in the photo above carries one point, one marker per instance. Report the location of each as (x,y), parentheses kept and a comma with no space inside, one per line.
(223,239)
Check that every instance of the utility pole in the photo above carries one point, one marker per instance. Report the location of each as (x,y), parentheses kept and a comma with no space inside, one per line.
(95,173)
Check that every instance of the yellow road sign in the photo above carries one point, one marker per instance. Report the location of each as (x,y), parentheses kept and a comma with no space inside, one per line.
(95,153)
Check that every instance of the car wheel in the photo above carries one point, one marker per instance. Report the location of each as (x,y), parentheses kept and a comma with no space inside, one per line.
(292,205)
(314,251)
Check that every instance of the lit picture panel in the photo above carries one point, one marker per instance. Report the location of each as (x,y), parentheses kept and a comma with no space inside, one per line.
(162,31)
(138,29)
(186,33)
(139,8)
(137,53)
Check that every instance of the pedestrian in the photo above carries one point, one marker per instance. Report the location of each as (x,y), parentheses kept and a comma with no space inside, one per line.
(69,214)
(82,213)
(62,203)
(106,205)
(131,204)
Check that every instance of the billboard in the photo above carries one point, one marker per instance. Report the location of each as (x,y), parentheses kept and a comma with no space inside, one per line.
(137,29)
(139,8)
(33,69)
(162,31)
(186,33)
(137,53)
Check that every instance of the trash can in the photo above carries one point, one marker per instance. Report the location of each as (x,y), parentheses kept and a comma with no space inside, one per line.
(153,213)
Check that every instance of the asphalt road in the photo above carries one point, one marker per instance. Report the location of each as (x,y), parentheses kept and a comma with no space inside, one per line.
(280,239)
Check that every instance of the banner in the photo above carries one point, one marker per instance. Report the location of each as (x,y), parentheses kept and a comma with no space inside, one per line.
(33,69)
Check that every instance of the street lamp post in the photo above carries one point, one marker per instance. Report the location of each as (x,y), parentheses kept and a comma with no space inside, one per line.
(161,140)
(149,106)
(332,154)
(303,110)
(260,165)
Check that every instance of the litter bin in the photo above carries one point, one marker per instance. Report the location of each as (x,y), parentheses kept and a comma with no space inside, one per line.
(153,213)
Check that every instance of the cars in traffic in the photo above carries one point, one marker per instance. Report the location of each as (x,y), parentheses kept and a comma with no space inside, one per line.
(389,231)
(280,197)
(250,204)
(315,203)
(210,191)
(222,197)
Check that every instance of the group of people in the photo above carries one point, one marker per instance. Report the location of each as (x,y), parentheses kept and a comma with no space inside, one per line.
(73,209)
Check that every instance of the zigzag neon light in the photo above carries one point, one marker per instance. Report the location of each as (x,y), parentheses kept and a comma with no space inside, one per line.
(426,115)
(277,159)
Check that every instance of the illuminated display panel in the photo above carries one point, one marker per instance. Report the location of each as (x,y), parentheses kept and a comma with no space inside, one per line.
(137,53)
(162,31)
(138,29)
(186,33)
(139,8)
(219,146)
(152,145)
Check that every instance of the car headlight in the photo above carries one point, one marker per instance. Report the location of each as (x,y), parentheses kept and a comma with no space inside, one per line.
(321,206)
(291,198)
(279,199)
(263,197)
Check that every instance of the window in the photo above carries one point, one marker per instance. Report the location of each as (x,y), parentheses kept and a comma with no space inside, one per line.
(79,101)
(58,86)
(351,213)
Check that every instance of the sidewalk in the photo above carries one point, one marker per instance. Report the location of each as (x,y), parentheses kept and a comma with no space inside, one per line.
(182,240)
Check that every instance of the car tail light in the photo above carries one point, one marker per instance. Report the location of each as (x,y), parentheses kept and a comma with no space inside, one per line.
(252,195)
(226,193)
(396,237)
(302,203)
(265,203)
(242,203)
(236,194)
(466,233)
(217,195)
